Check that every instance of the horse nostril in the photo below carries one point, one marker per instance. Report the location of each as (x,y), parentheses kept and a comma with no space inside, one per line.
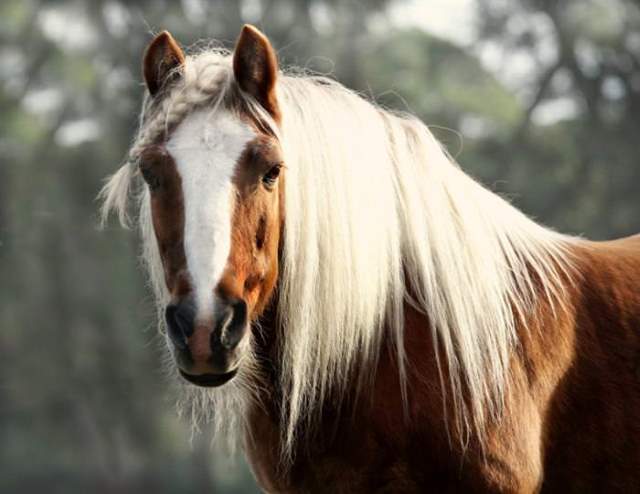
(184,318)
(233,323)
(179,319)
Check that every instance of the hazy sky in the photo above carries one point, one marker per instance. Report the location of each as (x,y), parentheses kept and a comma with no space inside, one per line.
(455,20)
(449,19)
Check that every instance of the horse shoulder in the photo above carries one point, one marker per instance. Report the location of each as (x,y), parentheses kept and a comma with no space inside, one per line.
(591,417)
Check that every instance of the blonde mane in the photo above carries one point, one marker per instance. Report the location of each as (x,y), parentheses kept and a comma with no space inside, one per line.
(371,197)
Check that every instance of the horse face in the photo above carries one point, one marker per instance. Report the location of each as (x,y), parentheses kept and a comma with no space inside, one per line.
(216,188)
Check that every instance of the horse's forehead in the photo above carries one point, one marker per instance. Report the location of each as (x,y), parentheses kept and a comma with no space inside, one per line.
(210,136)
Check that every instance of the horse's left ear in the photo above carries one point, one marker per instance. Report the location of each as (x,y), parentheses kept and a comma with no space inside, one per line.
(161,59)
(255,67)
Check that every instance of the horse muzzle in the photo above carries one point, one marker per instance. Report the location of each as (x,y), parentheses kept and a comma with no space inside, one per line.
(207,352)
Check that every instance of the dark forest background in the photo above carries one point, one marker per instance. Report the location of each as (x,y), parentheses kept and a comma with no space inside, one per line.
(539,99)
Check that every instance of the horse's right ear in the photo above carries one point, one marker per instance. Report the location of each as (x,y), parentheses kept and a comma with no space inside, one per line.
(161,59)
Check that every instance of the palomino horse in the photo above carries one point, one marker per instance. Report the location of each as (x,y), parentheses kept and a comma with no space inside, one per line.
(359,314)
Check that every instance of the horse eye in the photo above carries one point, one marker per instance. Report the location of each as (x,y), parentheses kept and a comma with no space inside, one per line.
(270,178)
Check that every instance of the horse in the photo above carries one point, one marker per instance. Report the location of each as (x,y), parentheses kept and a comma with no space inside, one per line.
(354,311)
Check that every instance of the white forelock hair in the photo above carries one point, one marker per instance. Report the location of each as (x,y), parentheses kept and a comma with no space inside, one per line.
(377,215)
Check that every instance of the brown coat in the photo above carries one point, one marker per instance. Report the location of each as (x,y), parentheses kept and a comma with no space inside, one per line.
(571,423)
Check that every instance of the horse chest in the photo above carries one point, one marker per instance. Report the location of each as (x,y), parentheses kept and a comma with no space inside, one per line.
(350,457)
(359,457)
(369,449)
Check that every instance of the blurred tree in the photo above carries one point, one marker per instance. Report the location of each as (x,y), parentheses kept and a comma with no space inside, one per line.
(586,56)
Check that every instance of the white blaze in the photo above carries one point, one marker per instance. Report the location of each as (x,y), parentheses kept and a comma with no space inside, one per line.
(206,147)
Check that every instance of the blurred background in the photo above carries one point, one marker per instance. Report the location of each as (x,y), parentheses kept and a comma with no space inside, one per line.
(539,99)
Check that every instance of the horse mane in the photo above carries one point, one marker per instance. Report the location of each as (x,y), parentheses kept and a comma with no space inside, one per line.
(377,215)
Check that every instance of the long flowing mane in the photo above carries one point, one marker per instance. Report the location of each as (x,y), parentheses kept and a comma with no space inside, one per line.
(377,216)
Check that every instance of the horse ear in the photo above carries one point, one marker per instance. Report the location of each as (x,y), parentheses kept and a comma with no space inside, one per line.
(161,59)
(255,67)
